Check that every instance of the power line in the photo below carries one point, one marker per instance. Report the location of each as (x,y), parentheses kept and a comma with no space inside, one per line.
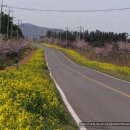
(73,11)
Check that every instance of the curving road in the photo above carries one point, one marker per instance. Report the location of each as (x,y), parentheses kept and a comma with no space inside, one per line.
(95,97)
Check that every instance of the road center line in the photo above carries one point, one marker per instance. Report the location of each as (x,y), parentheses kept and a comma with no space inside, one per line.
(95,81)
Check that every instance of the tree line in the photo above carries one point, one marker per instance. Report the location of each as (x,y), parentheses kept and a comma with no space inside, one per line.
(94,38)
(9,28)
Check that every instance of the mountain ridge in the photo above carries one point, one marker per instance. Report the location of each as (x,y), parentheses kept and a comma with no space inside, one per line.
(35,31)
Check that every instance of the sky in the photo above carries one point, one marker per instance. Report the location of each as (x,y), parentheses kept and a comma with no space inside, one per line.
(116,21)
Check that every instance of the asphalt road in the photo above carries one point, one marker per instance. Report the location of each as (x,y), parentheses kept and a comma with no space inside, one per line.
(95,97)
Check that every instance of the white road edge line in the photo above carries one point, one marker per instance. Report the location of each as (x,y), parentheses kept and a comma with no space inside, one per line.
(92,69)
(69,107)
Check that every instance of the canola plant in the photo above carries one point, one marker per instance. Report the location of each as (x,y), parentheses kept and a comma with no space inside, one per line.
(28,99)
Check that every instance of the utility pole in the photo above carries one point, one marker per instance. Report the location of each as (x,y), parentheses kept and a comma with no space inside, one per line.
(83,33)
(59,37)
(54,35)
(60,33)
(1,16)
(12,25)
(81,28)
(67,36)
(21,23)
(8,23)
(18,28)
(1,11)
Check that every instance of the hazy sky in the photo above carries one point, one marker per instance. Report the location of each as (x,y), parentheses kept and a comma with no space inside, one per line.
(117,21)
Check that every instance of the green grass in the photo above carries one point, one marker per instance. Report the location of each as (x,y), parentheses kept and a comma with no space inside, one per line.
(122,72)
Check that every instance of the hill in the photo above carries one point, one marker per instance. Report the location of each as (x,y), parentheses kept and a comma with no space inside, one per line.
(34,31)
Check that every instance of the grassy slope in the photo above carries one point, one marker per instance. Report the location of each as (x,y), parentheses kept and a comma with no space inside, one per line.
(29,99)
(121,72)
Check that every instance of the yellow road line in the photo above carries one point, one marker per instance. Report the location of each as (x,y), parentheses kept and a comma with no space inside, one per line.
(95,81)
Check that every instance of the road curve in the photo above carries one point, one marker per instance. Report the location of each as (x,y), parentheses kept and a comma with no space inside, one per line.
(95,97)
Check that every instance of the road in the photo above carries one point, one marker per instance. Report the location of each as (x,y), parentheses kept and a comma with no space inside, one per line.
(95,97)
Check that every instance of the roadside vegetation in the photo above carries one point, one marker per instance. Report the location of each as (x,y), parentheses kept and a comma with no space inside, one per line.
(12,51)
(28,99)
(13,46)
(94,38)
(108,47)
(122,72)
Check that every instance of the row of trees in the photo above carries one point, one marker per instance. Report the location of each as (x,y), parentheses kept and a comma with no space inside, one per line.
(94,38)
(9,28)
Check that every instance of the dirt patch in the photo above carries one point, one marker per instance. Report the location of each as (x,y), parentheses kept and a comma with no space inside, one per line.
(23,61)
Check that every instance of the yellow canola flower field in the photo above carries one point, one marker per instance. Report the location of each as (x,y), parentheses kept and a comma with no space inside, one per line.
(105,67)
(28,99)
